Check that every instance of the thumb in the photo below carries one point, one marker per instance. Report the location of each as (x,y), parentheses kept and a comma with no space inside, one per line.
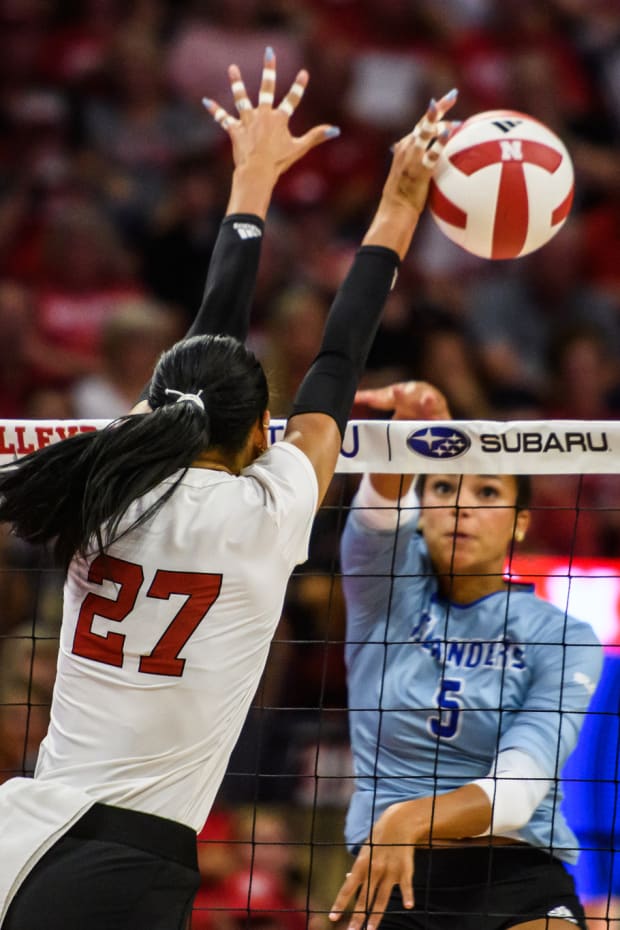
(315,136)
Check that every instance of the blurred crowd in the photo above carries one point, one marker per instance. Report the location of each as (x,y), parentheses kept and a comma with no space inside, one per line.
(113,181)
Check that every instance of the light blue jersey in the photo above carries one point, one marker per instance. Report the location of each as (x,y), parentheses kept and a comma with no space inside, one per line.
(437,689)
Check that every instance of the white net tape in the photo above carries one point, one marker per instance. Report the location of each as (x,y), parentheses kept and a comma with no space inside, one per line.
(533,447)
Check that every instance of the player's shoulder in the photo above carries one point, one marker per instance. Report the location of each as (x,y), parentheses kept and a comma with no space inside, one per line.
(555,624)
(284,456)
(284,471)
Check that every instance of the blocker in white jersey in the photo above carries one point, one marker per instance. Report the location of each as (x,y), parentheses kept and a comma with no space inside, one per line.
(165,636)
(179,530)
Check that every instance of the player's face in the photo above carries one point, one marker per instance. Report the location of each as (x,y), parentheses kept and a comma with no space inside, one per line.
(469,522)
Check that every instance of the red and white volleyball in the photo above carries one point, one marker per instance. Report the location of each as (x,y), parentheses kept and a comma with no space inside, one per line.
(503,185)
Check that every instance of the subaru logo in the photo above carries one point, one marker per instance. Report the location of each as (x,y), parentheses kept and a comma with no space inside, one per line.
(438,442)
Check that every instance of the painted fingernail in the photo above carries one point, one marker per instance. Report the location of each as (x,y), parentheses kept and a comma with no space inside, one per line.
(432,104)
(332,132)
(269,53)
(451,94)
(207,102)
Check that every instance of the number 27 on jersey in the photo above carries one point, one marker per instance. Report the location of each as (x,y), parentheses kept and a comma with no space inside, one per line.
(200,589)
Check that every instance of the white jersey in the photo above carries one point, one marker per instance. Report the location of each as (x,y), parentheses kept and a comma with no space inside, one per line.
(164,639)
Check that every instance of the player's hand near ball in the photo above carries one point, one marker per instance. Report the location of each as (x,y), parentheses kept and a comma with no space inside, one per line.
(406,188)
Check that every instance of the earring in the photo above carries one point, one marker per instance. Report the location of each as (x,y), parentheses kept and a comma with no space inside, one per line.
(519,535)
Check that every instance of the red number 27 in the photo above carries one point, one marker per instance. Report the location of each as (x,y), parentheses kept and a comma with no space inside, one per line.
(202,590)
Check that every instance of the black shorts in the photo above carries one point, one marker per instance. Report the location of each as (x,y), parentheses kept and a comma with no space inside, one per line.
(485,888)
(115,868)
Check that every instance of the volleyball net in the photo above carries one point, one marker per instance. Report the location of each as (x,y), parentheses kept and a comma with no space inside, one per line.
(273,847)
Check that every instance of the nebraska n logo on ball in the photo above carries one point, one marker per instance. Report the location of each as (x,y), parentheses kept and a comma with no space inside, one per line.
(503,185)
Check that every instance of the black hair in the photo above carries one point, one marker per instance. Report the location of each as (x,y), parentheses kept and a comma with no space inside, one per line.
(78,489)
(524,490)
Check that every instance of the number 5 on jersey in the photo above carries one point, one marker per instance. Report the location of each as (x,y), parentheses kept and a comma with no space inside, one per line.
(200,589)
(445,724)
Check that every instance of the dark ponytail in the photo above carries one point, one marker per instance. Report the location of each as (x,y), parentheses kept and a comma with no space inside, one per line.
(79,488)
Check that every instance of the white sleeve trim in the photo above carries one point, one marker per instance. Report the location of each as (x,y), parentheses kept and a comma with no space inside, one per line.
(382,513)
(515,786)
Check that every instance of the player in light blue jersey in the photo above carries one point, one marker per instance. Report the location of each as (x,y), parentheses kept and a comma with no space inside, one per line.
(466,696)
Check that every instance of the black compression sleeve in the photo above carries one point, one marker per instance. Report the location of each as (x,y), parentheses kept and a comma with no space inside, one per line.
(231,278)
(330,384)
(229,289)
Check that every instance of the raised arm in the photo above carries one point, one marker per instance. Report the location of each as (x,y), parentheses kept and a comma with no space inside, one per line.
(325,397)
(407,400)
(263,149)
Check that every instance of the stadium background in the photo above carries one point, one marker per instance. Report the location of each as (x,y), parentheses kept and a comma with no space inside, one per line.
(112,184)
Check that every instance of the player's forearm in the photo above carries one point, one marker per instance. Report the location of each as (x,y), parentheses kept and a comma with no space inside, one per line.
(409,400)
(251,191)
(461,813)
(465,812)
(392,487)
(393,226)
(231,278)
(330,384)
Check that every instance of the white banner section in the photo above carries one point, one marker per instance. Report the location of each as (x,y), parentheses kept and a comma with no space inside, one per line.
(535,447)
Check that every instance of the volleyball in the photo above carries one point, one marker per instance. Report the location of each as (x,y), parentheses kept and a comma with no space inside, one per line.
(503,185)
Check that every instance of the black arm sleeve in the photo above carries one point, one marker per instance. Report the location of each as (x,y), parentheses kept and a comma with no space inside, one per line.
(231,278)
(330,384)
(229,289)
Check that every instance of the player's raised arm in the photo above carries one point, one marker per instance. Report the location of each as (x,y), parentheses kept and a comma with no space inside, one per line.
(263,148)
(324,400)
(405,400)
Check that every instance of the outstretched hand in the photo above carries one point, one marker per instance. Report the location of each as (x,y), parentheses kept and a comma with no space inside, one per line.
(410,400)
(416,154)
(260,135)
(406,187)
